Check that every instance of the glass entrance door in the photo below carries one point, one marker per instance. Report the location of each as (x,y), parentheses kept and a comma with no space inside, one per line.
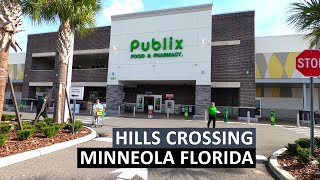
(157,103)
(140,103)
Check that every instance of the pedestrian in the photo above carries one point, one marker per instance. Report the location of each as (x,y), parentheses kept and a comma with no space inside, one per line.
(42,107)
(212,111)
(97,113)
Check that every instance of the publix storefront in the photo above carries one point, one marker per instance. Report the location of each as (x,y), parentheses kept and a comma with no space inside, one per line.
(184,56)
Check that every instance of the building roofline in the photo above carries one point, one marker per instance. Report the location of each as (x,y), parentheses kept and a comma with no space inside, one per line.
(287,35)
(234,12)
(203,7)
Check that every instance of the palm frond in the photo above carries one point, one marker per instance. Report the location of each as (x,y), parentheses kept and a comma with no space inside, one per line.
(304,16)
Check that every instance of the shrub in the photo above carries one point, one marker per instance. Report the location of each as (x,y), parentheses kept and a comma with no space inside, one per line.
(293,149)
(5,128)
(78,125)
(3,139)
(25,134)
(49,121)
(50,131)
(8,117)
(304,155)
(40,125)
(303,142)
(24,123)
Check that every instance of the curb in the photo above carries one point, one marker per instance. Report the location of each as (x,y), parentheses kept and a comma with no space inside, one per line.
(275,167)
(9,160)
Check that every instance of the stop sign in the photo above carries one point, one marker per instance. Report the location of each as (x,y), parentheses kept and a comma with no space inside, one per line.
(308,63)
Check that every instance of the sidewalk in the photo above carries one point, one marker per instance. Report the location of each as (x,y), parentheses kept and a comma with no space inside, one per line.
(31,116)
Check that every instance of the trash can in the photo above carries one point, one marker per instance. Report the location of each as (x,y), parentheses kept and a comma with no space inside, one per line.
(272,117)
(150,111)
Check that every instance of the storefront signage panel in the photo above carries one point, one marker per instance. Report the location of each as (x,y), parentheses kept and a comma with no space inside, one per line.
(167,47)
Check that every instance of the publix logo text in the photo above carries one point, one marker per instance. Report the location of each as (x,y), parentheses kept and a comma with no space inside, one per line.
(168,47)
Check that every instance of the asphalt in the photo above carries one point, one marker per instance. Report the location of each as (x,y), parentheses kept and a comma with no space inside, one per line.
(62,164)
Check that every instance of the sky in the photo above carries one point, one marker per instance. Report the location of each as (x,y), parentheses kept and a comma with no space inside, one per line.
(270,15)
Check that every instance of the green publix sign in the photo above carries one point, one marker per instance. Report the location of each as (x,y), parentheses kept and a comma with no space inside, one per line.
(169,47)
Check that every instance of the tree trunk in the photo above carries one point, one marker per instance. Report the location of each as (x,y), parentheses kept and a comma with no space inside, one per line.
(65,53)
(4,54)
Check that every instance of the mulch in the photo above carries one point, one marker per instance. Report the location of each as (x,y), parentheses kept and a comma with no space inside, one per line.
(38,140)
(298,170)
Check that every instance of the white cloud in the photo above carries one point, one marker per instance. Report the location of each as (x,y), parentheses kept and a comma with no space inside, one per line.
(117,7)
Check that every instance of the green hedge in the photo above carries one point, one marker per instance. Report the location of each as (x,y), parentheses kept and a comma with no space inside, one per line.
(8,117)
(24,123)
(292,149)
(303,142)
(3,139)
(78,125)
(25,134)
(40,125)
(304,155)
(49,121)
(50,131)
(5,128)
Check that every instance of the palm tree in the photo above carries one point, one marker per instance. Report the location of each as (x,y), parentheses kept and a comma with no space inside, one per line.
(73,16)
(10,20)
(305,17)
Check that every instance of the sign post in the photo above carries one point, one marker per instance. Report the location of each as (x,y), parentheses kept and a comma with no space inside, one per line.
(76,93)
(308,63)
(312,118)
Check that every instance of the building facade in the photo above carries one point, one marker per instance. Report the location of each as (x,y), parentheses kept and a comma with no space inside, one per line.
(16,65)
(167,58)
(279,86)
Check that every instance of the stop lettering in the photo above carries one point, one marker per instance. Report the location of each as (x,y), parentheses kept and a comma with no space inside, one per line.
(308,63)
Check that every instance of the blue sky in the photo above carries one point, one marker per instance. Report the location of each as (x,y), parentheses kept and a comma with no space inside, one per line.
(269,21)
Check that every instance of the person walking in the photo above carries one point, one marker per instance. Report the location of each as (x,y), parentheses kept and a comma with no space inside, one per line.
(212,111)
(42,107)
(97,113)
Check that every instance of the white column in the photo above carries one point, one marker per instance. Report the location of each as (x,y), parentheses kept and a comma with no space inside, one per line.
(304,96)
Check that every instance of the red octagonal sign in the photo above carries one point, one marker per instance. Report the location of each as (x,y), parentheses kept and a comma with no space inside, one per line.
(308,63)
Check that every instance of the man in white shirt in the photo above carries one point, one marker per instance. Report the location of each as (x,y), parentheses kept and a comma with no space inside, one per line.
(97,113)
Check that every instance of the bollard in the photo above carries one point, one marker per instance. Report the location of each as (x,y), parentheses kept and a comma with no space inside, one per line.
(119,110)
(31,106)
(298,120)
(167,114)
(226,115)
(134,111)
(206,115)
(272,117)
(248,115)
